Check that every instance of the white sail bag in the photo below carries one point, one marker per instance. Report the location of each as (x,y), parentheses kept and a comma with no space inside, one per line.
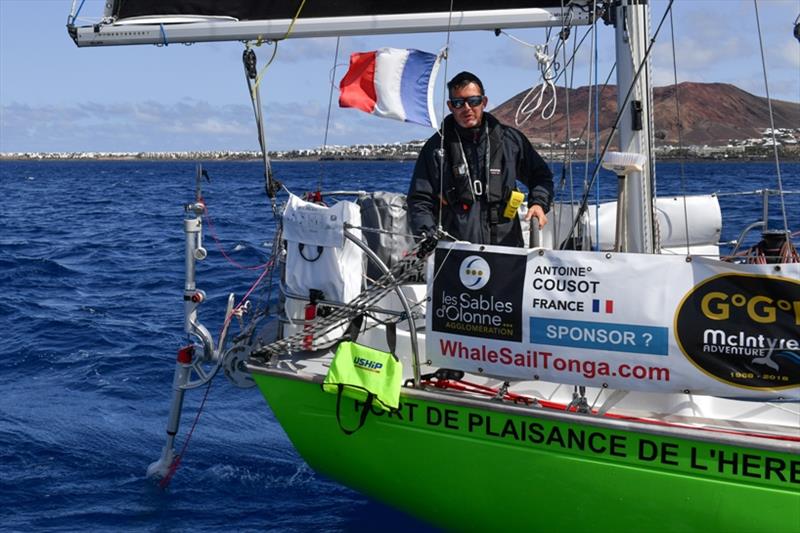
(320,262)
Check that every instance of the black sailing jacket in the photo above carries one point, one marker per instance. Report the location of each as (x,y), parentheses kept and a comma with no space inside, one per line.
(466,215)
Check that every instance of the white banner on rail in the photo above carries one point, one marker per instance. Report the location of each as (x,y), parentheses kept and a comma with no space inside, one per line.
(626,321)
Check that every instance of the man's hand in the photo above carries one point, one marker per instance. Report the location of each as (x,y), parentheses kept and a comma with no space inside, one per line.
(536,211)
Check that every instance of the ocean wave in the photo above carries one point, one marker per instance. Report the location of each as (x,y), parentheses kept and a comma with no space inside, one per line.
(92,313)
(21,268)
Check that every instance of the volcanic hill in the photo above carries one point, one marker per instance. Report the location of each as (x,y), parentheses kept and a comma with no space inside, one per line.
(711,113)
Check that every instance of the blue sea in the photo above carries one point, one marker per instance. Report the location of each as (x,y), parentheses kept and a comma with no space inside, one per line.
(91,279)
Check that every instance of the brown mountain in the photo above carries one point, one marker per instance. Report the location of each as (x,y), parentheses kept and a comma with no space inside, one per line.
(711,113)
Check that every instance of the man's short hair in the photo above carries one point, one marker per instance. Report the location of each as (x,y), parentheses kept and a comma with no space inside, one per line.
(462,79)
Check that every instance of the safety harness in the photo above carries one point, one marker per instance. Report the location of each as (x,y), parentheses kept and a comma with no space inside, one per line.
(464,188)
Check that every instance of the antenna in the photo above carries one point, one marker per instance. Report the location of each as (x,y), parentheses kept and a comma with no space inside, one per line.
(622,164)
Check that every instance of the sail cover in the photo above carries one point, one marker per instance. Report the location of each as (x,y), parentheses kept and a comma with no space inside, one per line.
(270,10)
(189,21)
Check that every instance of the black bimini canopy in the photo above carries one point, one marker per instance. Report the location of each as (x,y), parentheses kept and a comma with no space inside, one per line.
(272,9)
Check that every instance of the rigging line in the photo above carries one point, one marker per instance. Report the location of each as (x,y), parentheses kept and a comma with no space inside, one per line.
(651,155)
(265,296)
(294,19)
(265,155)
(330,105)
(597,129)
(560,193)
(164,483)
(572,58)
(587,184)
(592,70)
(271,185)
(263,70)
(520,41)
(546,81)
(164,41)
(620,112)
(71,19)
(598,93)
(221,248)
(445,96)
(680,133)
(275,49)
(531,45)
(569,84)
(552,141)
(533,99)
(771,121)
(549,67)
(750,193)
(268,267)
(568,63)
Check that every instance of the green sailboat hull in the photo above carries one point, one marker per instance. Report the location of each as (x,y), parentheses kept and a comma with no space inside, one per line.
(470,466)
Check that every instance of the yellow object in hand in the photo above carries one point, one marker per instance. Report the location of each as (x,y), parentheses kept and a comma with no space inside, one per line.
(514,201)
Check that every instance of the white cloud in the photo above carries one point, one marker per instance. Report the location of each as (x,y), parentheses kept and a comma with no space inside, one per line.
(716,41)
(91,126)
(209,125)
(188,125)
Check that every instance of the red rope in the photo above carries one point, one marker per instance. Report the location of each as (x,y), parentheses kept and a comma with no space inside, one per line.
(221,249)
(177,461)
(465,386)
(173,467)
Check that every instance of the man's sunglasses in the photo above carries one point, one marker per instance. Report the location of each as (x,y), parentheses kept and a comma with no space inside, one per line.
(472,101)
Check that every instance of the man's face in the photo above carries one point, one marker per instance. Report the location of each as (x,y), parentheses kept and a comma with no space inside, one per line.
(467,116)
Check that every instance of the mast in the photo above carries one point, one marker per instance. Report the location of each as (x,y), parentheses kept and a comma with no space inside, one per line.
(632,32)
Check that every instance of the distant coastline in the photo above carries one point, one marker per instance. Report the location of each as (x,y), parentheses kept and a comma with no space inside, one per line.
(786,140)
(714,155)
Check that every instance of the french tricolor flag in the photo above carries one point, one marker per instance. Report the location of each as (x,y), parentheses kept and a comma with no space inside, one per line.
(609,306)
(392,83)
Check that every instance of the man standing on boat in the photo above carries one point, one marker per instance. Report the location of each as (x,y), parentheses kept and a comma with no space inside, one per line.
(482,159)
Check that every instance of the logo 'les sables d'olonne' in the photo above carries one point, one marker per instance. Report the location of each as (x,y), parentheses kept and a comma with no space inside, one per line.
(474,272)
(742,329)
(470,298)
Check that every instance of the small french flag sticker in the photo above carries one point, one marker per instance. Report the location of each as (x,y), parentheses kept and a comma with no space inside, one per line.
(609,306)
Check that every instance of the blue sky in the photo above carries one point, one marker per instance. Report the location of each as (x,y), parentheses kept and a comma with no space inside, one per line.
(56,97)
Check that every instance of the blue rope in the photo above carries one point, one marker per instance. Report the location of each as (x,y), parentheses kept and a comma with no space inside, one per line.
(75,16)
(163,35)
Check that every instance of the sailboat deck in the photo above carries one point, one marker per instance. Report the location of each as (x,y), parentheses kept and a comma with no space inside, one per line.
(768,426)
